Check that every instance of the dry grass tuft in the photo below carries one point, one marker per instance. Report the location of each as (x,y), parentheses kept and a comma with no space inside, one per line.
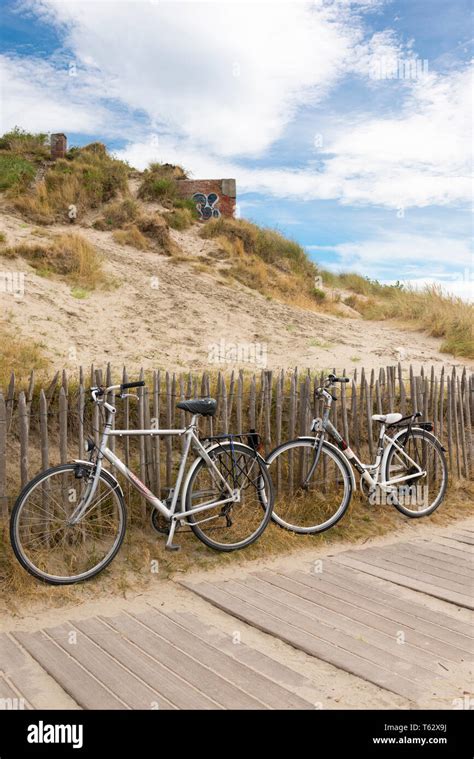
(69,256)
(85,179)
(159,183)
(156,229)
(131,235)
(265,260)
(117,214)
(440,315)
(18,355)
(180,218)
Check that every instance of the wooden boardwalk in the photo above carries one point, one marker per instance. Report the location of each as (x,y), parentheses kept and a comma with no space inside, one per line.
(149,660)
(338,614)
(355,613)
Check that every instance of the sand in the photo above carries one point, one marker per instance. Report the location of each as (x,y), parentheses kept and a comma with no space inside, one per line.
(178,315)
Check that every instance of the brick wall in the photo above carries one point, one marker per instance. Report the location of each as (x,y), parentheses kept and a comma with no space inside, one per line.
(58,146)
(213,197)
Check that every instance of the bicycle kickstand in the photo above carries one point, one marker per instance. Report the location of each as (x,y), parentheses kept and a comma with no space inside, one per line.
(170,546)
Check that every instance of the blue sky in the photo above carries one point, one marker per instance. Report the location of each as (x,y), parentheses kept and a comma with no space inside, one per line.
(334,132)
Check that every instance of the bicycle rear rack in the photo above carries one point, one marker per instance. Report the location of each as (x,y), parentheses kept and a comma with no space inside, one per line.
(251,438)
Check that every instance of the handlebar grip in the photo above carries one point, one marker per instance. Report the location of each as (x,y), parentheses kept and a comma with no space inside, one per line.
(333,378)
(127,385)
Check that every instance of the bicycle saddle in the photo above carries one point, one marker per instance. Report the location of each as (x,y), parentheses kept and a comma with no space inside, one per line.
(387,418)
(203,406)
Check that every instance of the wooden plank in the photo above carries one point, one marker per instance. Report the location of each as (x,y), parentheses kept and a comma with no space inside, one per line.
(425,552)
(407,558)
(458,549)
(330,626)
(404,567)
(243,678)
(81,686)
(430,558)
(460,545)
(10,697)
(381,604)
(30,679)
(409,582)
(419,650)
(104,667)
(309,642)
(24,427)
(195,678)
(462,538)
(169,690)
(366,585)
(251,657)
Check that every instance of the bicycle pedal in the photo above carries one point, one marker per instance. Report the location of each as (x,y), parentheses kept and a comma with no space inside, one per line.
(172,547)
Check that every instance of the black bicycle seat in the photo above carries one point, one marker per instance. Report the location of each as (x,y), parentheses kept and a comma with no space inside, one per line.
(203,406)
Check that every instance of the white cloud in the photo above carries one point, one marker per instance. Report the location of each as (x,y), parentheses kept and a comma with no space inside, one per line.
(419,158)
(461,288)
(415,259)
(40,95)
(217,82)
(226,76)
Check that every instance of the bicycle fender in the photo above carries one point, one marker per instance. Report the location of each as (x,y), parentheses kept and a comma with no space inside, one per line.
(199,458)
(108,475)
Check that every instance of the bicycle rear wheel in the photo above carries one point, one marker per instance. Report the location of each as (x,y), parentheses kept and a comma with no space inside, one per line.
(43,541)
(231,526)
(304,504)
(417,496)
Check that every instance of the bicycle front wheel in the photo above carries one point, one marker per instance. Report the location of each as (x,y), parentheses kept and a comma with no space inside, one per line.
(308,502)
(43,541)
(230,526)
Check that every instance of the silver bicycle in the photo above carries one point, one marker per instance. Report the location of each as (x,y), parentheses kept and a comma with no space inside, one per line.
(314,480)
(69,522)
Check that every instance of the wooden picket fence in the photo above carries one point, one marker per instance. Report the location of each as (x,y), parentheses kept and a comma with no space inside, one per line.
(41,426)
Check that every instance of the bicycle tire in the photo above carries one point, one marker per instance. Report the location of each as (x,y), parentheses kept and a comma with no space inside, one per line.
(16,514)
(266,502)
(344,468)
(420,433)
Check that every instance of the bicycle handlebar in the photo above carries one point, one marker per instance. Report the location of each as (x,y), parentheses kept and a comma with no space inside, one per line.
(127,385)
(99,392)
(332,378)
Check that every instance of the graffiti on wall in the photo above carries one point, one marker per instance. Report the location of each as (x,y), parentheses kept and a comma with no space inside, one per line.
(206,205)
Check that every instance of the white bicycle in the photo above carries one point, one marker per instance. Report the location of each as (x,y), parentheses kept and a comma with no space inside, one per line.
(314,480)
(69,522)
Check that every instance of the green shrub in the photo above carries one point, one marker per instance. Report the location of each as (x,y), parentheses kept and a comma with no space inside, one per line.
(25,144)
(15,172)
(159,182)
(86,180)
(180,218)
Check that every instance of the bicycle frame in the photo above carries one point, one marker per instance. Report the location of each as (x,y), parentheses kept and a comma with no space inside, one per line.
(170,513)
(324,425)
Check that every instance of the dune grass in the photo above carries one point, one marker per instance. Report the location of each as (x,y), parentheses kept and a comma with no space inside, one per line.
(85,179)
(19,355)
(131,235)
(265,260)
(69,256)
(181,218)
(430,309)
(117,214)
(158,182)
